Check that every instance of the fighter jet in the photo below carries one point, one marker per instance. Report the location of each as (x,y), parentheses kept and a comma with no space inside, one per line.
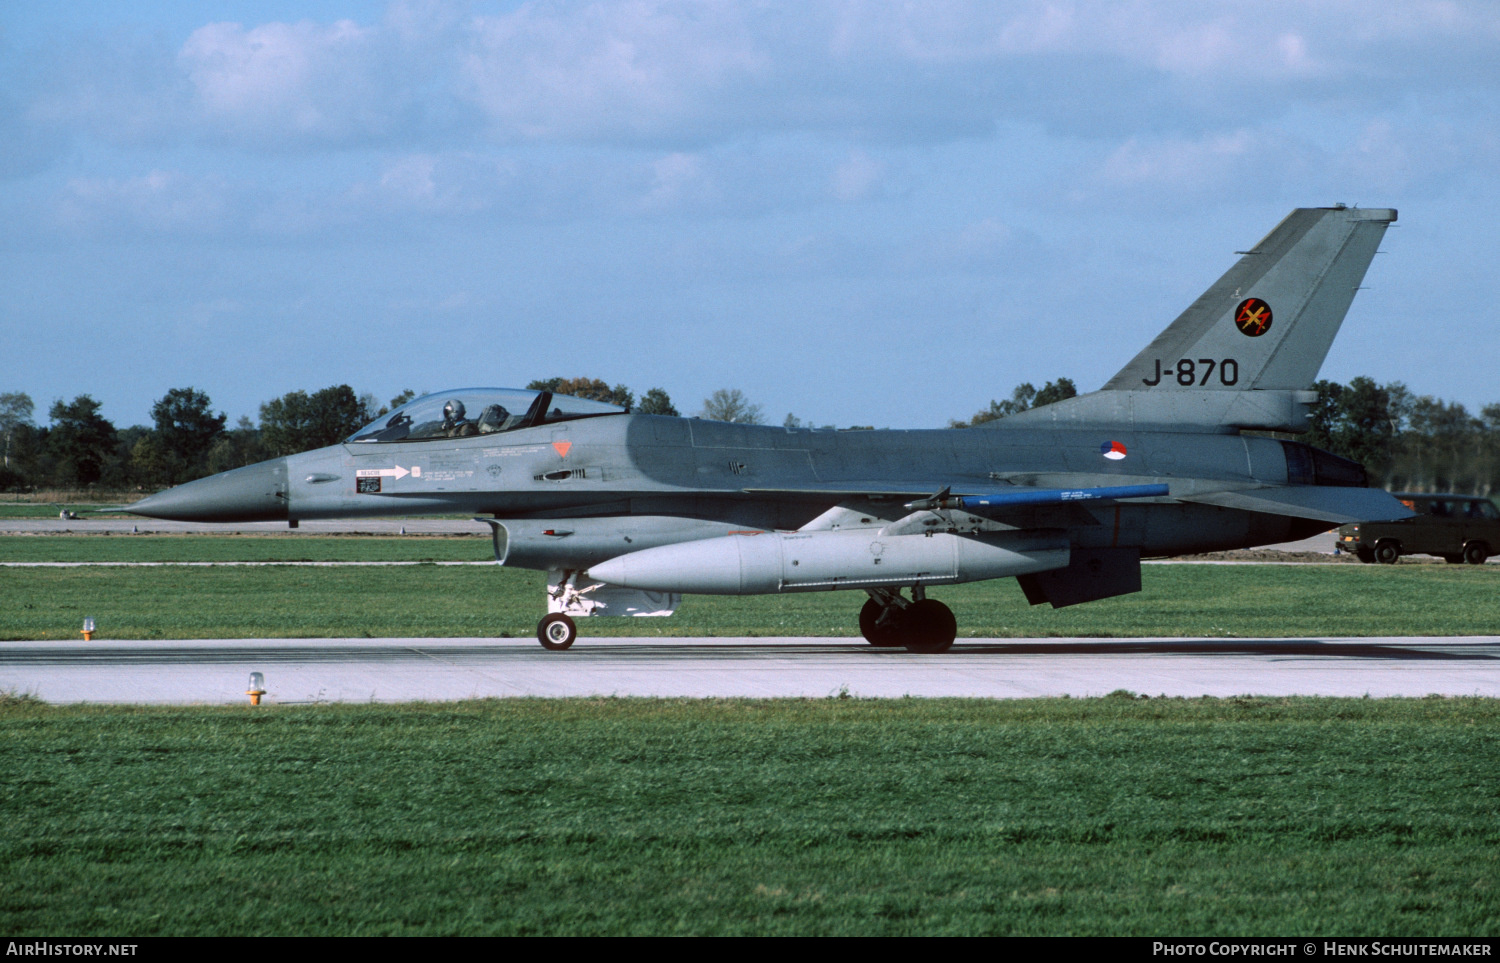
(627,512)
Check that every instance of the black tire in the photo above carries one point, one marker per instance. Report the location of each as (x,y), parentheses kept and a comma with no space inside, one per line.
(928,626)
(882,637)
(556,632)
(1387,553)
(1366,555)
(1476,552)
(1453,559)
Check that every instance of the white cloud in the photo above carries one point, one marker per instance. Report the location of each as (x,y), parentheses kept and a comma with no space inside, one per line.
(679,75)
(1233,165)
(607,70)
(161,202)
(1188,164)
(411,178)
(308,83)
(679,181)
(858,177)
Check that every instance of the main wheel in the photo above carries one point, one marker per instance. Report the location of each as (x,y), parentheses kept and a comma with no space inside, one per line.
(1454,559)
(1387,553)
(556,632)
(881,636)
(1476,552)
(1366,555)
(928,626)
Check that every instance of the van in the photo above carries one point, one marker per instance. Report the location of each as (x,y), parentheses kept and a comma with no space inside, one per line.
(1456,528)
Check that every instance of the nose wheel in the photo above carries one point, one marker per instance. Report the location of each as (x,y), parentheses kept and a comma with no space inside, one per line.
(889,621)
(556,632)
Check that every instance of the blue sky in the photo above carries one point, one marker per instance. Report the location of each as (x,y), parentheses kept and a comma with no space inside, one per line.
(862,213)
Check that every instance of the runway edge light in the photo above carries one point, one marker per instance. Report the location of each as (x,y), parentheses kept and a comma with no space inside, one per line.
(88,628)
(257,688)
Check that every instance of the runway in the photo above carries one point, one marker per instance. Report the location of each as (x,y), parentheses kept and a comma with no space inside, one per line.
(302,671)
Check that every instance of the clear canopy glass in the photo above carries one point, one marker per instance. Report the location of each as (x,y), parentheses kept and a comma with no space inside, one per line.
(478,411)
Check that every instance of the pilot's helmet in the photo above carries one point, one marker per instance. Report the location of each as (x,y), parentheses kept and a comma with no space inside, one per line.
(453,411)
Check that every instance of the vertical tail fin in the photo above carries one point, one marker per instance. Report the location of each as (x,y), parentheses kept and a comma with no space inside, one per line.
(1246,353)
(1274,314)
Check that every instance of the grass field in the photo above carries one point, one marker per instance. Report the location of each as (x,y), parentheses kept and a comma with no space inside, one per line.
(488,601)
(1110,816)
(1114,816)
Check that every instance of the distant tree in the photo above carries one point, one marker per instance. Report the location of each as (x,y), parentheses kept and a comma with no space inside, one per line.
(186,428)
(151,464)
(656,402)
(1407,442)
(1324,414)
(81,441)
(792,421)
(15,413)
(1053,391)
(299,422)
(590,388)
(1024,397)
(730,404)
(29,459)
(406,395)
(238,447)
(1366,430)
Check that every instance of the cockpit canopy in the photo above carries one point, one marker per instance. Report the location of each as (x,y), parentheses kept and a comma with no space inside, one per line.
(478,411)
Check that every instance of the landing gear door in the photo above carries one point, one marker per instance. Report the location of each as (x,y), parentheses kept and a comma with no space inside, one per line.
(571,594)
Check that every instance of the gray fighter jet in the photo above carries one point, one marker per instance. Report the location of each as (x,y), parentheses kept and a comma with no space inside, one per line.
(627,512)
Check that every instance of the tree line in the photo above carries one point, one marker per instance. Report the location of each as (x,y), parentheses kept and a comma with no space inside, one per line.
(187,439)
(1406,442)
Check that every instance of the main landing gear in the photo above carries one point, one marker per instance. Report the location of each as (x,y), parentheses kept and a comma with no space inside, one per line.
(889,621)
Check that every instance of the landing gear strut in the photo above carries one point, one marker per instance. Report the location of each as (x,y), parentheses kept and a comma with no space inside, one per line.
(920,625)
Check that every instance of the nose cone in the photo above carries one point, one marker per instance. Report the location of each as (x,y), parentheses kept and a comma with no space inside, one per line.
(255,493)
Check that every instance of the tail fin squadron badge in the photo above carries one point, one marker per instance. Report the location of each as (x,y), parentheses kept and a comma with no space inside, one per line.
(1253,317)
(1112,450)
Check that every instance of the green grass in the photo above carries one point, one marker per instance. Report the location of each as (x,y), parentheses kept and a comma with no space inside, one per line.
(245,548)
(488,601)
(1111,816)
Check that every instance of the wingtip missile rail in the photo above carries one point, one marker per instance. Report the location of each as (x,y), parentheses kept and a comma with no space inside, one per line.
(1025,497)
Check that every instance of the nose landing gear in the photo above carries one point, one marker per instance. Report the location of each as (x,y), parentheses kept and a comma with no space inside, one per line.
(556,632)
(921,624)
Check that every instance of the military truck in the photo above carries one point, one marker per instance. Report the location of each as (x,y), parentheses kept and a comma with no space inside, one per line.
(1456,528)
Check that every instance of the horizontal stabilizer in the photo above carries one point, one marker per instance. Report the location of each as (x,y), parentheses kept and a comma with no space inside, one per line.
(1339,506)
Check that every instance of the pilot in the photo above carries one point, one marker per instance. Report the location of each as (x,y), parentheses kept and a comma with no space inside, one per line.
(455,425)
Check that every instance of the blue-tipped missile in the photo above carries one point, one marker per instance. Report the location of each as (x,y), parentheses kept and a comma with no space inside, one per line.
(1034,496)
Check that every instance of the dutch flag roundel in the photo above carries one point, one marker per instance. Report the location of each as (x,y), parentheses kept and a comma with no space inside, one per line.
(1112,450)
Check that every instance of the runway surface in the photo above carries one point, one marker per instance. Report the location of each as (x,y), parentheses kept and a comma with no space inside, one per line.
(400,670)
